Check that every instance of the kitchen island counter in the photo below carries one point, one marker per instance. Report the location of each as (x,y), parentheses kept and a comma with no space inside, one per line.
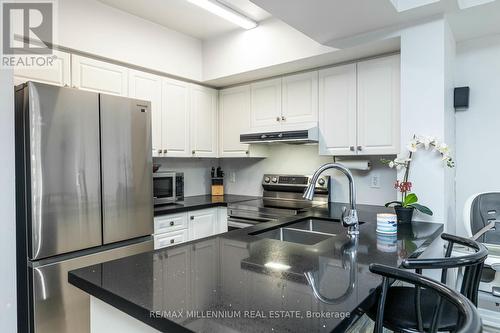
(244,281)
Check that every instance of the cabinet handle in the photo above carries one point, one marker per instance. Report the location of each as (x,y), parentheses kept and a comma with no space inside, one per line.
(278,118)
(191,217)
(171,223)
(247,152)
(172,241)
(165,151)
(283,118)
(360,148)
(351,148)
(194,152)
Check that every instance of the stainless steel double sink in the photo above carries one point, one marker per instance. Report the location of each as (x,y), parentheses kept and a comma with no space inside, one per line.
(307,232)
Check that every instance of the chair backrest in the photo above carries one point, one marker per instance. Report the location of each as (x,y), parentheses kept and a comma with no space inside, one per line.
(468,317)
(479,210)
(472,264)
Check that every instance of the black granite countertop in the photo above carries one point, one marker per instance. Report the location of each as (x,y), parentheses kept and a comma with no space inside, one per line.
(200,202)
(240,281)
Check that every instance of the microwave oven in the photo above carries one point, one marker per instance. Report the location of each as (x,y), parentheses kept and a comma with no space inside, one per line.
(168,187)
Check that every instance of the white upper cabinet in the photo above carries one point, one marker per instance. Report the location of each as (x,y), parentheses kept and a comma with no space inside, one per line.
(148,87)
(337,110)
(359,109)
(203,121)
(234,119)
(266,105)
(175,118)
(300,101)
(95,75)
(379,106)
(59,74)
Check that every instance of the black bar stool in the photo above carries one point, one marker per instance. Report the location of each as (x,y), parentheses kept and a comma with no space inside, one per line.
(411,308)
(467,317)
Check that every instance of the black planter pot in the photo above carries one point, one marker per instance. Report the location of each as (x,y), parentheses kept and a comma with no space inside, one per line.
(404,215)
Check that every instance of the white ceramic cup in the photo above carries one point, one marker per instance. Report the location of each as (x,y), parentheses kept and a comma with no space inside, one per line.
(387,223)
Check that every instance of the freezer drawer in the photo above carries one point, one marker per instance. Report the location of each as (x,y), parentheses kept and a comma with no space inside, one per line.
(61,157)
(127,168)
(59,307)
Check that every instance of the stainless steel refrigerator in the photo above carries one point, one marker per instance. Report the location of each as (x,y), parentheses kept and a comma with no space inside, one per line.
(84,196)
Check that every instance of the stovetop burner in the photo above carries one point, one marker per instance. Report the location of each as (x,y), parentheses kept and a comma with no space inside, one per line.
(282,197)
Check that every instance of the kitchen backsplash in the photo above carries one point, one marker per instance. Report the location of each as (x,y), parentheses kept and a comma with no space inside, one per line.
(291,159)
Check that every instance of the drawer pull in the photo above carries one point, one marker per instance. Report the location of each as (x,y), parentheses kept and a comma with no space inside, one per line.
(171,223)
(172,241)
(192,217)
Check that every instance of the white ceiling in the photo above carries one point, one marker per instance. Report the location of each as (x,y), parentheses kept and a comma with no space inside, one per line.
(331,22)
(184,17)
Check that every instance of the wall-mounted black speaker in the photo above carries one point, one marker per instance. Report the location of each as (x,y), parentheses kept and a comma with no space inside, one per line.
(461,98)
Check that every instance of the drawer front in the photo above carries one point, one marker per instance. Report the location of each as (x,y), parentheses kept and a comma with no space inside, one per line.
(170,238)
(172,222)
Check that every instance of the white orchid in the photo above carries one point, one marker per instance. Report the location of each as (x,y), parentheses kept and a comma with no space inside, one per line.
(427,141)
(412,145)
(443,148)
(391,164)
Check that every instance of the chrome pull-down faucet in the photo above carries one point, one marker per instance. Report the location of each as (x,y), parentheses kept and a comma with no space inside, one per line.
(349,217)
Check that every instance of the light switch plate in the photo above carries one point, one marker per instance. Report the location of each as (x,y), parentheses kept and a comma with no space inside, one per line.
(232,177)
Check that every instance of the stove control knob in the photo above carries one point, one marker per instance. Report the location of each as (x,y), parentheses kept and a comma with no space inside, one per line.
(267,179)
(321,181)
(274,180)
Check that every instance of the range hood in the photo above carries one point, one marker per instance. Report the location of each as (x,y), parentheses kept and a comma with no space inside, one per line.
(297,136)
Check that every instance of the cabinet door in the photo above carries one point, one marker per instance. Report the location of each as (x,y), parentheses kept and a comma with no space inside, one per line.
(170,222)
(175,118)
(266,105)
(337,110)
(170,238)
(300,101)
(176,282)
(233,279)
(221,219)
(99,76)
(204,267)
(148,87)
(58,74)
(378,106)
(202,223)
(203,121)
(234,119)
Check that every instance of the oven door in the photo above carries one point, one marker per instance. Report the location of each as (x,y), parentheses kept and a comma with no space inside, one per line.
(164,187)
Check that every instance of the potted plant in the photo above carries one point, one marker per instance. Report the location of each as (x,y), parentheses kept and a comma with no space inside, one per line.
(409,201)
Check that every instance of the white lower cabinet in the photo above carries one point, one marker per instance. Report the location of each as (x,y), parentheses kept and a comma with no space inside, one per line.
(170,238)
(172,229)
(202,223)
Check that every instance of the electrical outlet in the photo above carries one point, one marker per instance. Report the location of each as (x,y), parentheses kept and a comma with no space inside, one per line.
(375,181)
(232,176)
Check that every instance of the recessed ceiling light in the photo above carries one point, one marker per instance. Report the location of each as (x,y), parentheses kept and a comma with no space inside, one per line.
(225,12)
(277,265)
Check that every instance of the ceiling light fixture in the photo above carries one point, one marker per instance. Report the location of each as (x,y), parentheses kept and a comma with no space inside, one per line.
(225,12)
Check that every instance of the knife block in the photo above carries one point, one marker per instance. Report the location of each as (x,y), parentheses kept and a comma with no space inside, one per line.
(217,186)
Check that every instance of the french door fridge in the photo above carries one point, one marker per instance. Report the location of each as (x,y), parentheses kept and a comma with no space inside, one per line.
(83,196)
